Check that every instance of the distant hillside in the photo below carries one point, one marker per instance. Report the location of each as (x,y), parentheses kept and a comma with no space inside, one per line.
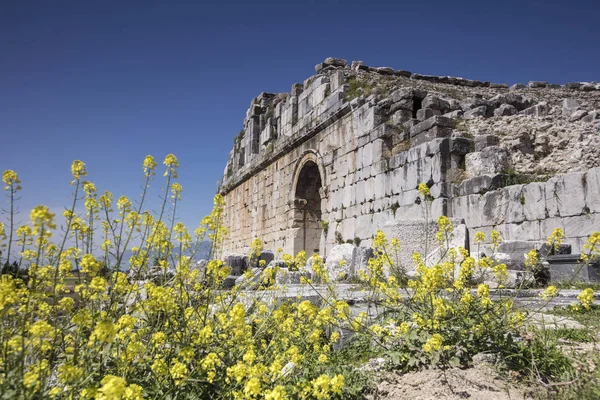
(202,253)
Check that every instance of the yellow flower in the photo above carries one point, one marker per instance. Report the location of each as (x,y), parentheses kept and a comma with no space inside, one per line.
(496,238)
(278,393)
(337,383)
(99,285)
(113,388)
(176,190)
(172,165)
(322,358)
(69,373)
(424,190)
(133,392)
(78,170)
(483,291)
(105,331)
(479,237)
(549,293)
(434,343)
(10,178)
(556,238)
(586,298)
(149,165)
(531,259)
(252,388)
(42,217)
(179,372)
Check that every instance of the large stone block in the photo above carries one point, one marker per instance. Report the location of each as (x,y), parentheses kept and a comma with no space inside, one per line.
(480,184)
(534,201)
(592,190)
(437,120)
(571,194)
(491,160)
(364,226)
(581,225)
(494,207)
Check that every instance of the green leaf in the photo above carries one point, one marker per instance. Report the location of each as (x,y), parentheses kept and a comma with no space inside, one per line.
(454,362)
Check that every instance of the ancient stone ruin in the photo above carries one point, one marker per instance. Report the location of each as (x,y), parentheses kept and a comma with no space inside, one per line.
(342,154)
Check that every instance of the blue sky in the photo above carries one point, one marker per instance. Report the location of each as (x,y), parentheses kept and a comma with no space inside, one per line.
(110,82)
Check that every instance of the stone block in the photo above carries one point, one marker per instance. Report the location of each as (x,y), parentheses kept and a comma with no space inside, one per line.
(431,134)
(483,141)
(402,72)
(385,70)
(491,160)
(441,189)
(592,192)
(439,207)
(436,146)
(504,110)
(549,224)
(408,197)
(425,113)
(337,80)
(454,114)
(348,227)
(569,268)
(570,192)
(480,184)
(461,146)
(480,111)
(569,106)
(534,201)
(435,102)
(401,116)
(537,84)
(581,225)
(514,204)
(539,110)
(364,226)
(494,208)
(526,230)
(437,120)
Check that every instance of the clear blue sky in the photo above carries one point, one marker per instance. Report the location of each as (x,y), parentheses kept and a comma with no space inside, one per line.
(109,82)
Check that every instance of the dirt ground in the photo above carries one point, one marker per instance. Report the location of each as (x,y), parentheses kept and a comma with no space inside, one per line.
(480,382)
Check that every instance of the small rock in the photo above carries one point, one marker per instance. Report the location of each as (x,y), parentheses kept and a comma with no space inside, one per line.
(537,84)
(573,85)
(588,87)
(569,107)
(385,70)
(454,114)
(517,86)
(336,62)
(504,110)
(475,112)
(577,115)
(404,73)
(592,116)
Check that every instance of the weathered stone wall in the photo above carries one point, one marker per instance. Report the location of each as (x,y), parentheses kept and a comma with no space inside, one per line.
(531,212)
(339,156)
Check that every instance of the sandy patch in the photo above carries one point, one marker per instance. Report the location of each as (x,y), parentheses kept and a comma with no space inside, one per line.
(480,382)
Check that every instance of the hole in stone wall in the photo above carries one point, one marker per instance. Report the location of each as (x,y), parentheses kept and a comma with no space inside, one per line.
(417,105)
(307,213)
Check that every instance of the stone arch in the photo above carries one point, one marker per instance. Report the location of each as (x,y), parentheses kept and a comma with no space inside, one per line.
(306,195)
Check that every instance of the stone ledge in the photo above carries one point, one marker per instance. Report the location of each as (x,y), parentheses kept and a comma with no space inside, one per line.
(437,120)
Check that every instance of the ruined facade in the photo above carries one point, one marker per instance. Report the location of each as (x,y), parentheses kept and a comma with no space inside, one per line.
(342,154)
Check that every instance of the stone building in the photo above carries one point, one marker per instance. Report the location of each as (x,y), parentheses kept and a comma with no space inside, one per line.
(342,154)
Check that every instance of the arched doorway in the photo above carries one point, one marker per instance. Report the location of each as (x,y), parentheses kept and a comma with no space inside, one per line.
(307,209)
